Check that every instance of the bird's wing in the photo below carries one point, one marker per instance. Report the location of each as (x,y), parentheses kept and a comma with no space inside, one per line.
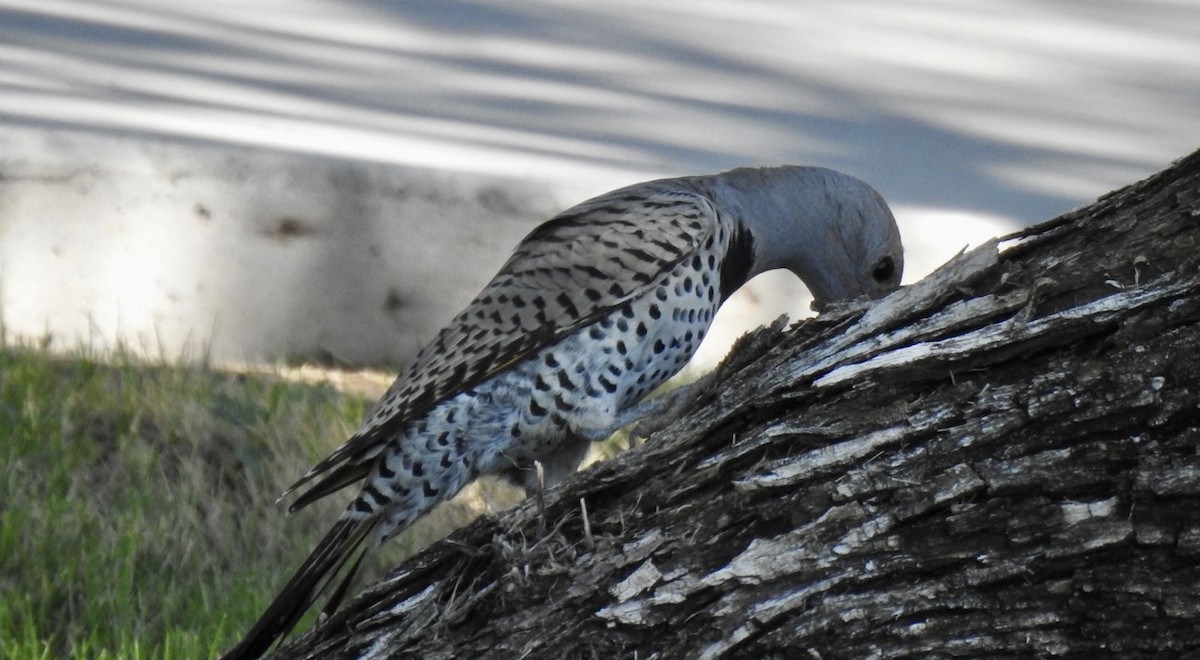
(565,274)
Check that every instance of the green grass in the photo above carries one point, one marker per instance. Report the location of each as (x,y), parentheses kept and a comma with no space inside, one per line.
(137,502)
(137,515)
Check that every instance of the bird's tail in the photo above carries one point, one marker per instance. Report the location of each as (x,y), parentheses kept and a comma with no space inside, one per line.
(312,578)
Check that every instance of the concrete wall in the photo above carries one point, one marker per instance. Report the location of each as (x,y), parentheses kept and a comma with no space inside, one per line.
(175,248)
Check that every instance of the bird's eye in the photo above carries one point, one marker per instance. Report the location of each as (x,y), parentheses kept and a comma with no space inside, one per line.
(884,269)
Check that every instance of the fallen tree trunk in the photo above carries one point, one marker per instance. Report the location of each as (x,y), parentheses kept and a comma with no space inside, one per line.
(999,461)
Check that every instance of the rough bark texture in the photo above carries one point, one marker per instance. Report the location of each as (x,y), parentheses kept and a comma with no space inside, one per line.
(998,461)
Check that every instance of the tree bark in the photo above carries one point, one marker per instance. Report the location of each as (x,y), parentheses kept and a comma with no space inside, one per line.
(998,461)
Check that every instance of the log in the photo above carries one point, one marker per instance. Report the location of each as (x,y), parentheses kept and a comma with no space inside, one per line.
(1000,460)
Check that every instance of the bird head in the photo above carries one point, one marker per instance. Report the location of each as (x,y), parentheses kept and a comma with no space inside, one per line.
(833,231)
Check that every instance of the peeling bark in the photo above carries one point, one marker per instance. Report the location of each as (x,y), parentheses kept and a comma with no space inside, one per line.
(998,461)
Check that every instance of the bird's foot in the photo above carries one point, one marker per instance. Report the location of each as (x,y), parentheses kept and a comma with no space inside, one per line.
(660,412)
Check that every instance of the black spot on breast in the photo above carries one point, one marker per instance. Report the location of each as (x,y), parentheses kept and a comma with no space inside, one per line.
(655,312)
(564,381)
(385,471)
(738,261)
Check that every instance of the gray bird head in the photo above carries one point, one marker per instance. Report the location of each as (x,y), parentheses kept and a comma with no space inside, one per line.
(830,229)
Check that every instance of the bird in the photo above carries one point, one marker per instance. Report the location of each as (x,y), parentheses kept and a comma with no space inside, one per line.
(594,309)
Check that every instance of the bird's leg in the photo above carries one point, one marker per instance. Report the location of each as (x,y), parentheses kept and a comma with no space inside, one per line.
(659,412)
(550,467)
(651,415)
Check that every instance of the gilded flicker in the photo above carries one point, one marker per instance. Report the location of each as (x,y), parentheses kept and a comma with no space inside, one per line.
(595,308)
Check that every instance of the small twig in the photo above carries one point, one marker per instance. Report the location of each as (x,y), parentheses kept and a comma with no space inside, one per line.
(587,525)
(541,492)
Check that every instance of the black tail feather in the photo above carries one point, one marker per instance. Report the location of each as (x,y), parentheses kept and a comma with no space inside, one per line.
(339,478)
(312,578)
(339,594)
